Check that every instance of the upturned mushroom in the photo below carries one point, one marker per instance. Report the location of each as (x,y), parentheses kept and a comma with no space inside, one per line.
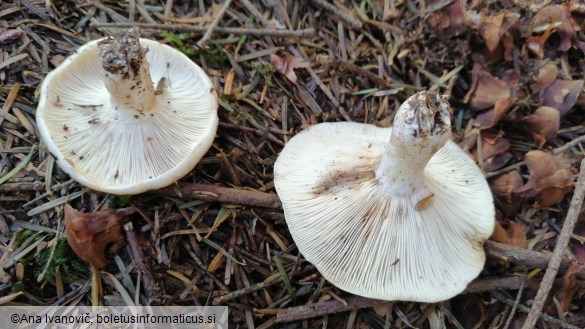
(389,213)
(125,115)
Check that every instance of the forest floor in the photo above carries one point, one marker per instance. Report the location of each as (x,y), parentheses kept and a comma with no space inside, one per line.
(512,71)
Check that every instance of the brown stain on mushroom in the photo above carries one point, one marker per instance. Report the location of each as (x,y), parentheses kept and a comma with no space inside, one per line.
(65,128)
(425,203)
(343,180)
(149,139)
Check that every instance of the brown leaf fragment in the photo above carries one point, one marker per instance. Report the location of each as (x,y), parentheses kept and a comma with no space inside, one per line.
(557,17)
(491,117)
(577,247)
(548,182)
(565,291)
(90,235)
(562,94)
(503,187)
(494,27)
(9,35)
(469,310)
(486,90)
(547,74)
(543,124)
(514,235)
(286,65)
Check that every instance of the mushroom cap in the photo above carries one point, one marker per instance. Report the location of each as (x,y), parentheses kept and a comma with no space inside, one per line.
(78,122)
(366,240)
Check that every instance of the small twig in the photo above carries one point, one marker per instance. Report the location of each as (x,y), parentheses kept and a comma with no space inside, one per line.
(214,23)
(349,20)
(521,256)
(222,194)
(326,307)
(240,292)
(255,12)
(562,242)
(304,33)
(150,285)
(516,303)
(96,287)
(499,296)
(491,284)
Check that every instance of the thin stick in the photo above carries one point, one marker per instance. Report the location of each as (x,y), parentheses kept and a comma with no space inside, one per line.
(304,33)
(562,242)
(349,20)
(214,23)
(222,194)
(96,287)
(150,285)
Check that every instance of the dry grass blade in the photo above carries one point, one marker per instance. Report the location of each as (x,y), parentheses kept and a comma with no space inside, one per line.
(18,167)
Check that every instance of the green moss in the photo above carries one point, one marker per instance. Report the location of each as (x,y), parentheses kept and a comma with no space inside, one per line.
(215,57)
(263,68)
(22,237)
(120,201)
(72,268)
(178,41)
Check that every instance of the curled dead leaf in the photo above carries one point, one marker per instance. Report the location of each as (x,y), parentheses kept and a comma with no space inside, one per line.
(90,235)
(503,187)
(494,27)
(469,310)
(486,90)
(543,124)
(286,65)
(548,182)
(562,94)
(9,35)
(577,248)
(556,17)
(547,74)
(491,117)
(564,291)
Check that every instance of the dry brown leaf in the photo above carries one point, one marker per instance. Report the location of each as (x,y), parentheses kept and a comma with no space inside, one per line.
(547,74)
(486,90)
(548,182)
(286,65)
(514,235)
(494,27)
(579,248)
(469,310)
(491,117)
(562,94)
(504,185)
(90,235)
(9,35)
(535,44)
(569,286)
(543,124)
(557,17)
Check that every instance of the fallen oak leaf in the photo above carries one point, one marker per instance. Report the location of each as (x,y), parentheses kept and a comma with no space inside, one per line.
(548,182)
(90,234)
(503,186)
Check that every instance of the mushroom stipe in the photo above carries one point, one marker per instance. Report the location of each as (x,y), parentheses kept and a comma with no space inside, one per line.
(389,213)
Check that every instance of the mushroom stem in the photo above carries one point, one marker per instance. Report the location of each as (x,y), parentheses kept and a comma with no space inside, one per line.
(127,75)
(421,127)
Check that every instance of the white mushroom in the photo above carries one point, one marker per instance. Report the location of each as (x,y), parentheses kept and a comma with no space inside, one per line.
(125,115)
(390,213)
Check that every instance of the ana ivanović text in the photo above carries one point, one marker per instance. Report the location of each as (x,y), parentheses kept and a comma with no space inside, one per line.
(112,319)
